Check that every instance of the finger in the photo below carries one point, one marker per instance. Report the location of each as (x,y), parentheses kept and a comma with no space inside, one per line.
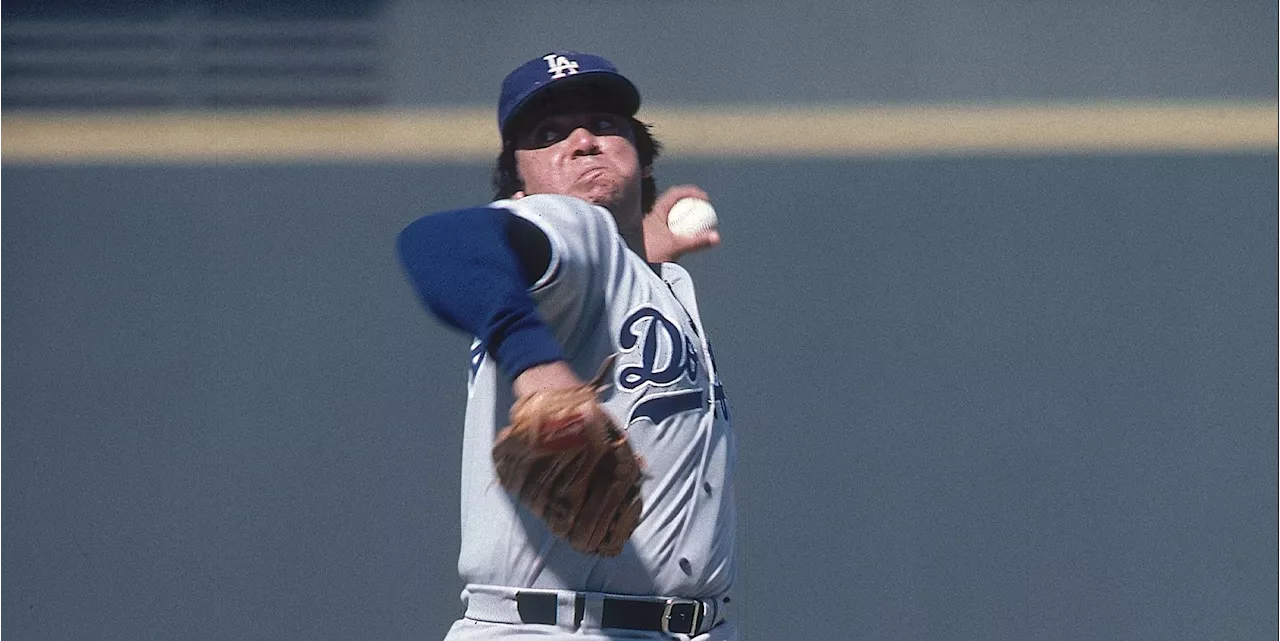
(701,241)
(709,239)
(673,194)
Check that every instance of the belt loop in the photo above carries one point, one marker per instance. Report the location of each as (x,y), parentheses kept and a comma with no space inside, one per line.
(593,610)
(710,614)
(565,605)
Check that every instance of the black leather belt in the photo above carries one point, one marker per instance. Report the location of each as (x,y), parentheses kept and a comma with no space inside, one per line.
(678,616)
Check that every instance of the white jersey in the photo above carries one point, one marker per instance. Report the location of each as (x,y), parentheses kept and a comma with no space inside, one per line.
(599,298)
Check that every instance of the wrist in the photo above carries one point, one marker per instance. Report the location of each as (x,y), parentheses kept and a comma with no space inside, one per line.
(545,376)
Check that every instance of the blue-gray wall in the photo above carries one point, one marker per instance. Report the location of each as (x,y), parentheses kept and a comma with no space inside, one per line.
(764,51)
(998,398)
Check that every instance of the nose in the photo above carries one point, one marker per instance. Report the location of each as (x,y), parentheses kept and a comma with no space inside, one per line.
(584,142)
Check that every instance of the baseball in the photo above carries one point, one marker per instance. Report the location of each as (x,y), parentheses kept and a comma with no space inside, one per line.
(691,216)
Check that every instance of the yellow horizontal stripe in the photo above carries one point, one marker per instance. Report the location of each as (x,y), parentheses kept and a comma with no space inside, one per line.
(469,135)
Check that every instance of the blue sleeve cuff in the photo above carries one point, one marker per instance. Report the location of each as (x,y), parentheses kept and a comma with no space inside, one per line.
(521,340)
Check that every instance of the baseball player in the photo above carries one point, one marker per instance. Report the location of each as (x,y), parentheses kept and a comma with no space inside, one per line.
(624,528)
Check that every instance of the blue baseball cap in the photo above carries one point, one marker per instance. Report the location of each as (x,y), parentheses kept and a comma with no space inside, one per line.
(533,83)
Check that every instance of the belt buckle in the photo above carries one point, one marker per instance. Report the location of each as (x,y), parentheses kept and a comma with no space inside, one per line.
(671,604)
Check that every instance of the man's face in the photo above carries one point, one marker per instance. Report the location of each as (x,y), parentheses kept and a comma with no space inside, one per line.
(587,154)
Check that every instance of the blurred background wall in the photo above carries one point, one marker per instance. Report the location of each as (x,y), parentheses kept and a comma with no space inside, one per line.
(1003,370)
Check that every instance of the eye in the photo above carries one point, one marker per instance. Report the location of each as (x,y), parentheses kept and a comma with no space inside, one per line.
(547,134)
(606,125)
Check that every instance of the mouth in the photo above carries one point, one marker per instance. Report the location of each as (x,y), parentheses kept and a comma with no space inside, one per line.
(591,174)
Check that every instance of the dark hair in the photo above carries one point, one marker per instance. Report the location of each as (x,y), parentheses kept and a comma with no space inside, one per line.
(506,181)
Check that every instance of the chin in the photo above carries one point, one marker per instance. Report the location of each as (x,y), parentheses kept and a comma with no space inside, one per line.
(603,196)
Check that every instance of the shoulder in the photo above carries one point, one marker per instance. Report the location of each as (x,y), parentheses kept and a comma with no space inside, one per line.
(578,232)
(560,213)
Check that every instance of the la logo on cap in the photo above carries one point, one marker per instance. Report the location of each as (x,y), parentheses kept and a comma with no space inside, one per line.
(560,66)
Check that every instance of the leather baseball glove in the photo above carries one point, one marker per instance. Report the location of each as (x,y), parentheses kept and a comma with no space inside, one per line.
(566,461)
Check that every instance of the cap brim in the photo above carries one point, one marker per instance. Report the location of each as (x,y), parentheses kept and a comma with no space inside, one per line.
(595,90)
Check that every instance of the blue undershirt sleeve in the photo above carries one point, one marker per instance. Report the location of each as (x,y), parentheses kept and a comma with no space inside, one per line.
(472,269)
